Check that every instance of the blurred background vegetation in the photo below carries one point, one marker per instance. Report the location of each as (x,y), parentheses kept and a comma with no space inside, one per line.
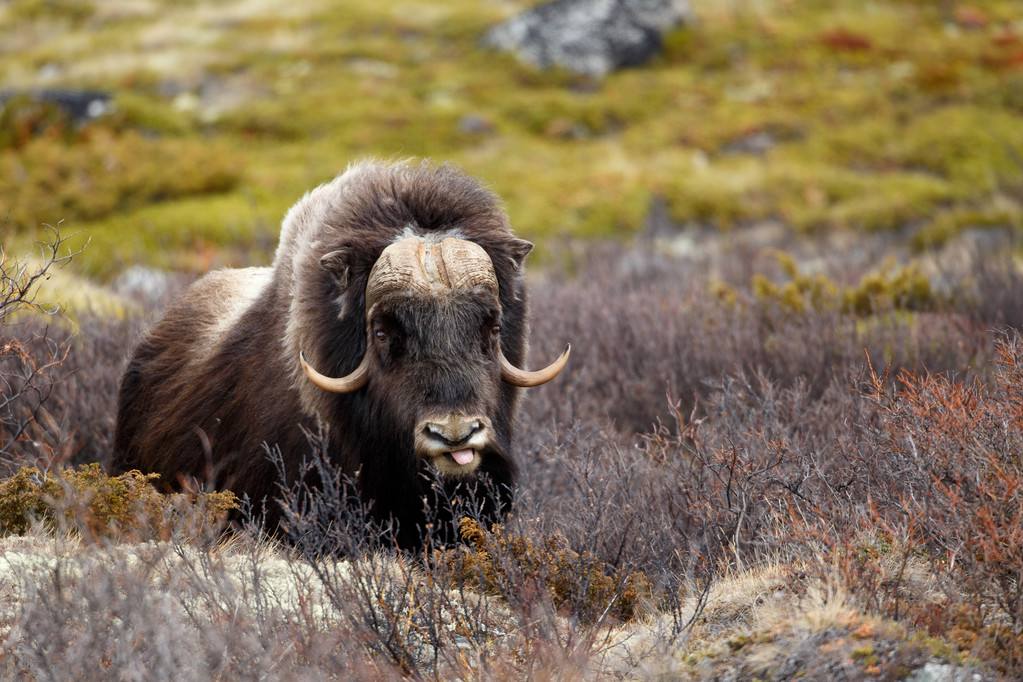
(899,117)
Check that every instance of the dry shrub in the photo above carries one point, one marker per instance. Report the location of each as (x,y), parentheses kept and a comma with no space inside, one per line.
(644,325)
(781,448)
(505,602)
(59,386)
(170,611)
(764,433)
(63,384)
(26,369)
(996,297)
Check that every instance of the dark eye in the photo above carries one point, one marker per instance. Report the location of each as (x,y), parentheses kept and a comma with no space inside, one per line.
(380,335)
(496,330)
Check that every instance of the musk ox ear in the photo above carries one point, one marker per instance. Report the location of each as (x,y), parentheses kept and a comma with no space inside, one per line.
(337,263)
(520,248)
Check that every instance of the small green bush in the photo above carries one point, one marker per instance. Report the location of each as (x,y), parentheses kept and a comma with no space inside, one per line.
(88,501)
(904,288)
(577,582)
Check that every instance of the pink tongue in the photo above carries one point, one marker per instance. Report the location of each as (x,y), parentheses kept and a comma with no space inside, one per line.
(463,456)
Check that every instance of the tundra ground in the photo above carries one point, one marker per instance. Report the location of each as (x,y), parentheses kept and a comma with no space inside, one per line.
(790,474)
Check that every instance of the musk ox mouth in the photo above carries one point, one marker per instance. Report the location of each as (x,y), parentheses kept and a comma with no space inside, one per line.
(454,443)
(463,457)
(456,463)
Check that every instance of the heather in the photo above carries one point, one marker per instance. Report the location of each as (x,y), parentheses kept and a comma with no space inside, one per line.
(724,483)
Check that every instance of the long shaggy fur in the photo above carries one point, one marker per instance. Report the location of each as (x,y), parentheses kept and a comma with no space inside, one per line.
(218,377)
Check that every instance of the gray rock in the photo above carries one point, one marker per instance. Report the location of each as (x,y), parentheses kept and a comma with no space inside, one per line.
(474,124)
(757,144)
(80,106)
(590,37)
(943,672)
(147,286)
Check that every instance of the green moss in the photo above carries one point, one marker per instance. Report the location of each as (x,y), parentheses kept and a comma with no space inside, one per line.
(974,148)
(802,294)
(23,118)
(904,288)
(983,149)
(136,111)
(812,196)
(46,181)
(194,234)
(1000,212)
(864,655)
(722,194)
(940,648)
(69,10)
(805,194)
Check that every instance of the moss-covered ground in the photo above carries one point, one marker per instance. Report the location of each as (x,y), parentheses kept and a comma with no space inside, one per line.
(893,115)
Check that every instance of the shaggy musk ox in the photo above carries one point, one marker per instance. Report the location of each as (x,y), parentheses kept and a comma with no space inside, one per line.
(401,283)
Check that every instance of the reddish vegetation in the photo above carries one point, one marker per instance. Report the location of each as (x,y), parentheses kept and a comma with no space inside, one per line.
(1005,60)
(970,16)
(1005,53)
(966,511)
(1007,39)
(845,40)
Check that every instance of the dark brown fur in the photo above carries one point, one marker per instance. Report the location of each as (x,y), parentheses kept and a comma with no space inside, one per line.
(218,376)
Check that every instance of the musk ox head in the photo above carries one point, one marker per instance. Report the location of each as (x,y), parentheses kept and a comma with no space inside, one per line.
(431,374)
(433,357)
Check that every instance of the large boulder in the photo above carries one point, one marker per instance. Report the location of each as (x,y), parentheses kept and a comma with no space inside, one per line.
(591,37)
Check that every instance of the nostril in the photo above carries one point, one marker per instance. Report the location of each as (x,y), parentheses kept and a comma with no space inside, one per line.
(453,434)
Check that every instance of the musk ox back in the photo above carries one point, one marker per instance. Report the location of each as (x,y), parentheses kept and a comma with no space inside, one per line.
(393,321)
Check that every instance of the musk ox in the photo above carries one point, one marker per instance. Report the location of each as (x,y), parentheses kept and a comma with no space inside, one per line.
(403,284)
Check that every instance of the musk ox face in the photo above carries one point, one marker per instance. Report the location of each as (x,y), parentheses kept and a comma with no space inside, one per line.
(436,373)
(434,365)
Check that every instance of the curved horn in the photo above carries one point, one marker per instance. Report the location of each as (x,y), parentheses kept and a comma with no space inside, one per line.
(347,384)
(526,379)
